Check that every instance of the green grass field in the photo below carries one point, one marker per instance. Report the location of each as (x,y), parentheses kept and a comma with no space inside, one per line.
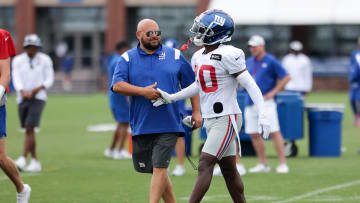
(75,170)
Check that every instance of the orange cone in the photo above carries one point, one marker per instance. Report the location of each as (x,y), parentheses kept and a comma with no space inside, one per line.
(129,141)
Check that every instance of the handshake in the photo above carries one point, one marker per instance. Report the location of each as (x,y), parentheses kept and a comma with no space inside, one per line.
(157,96)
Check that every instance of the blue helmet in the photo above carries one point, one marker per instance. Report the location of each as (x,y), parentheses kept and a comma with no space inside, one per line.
(212,27)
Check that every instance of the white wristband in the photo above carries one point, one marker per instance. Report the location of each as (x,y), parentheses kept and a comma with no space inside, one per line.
(2,91)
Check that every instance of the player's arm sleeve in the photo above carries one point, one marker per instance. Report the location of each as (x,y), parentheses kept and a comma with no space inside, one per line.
(49,73)
(16,75)
(234,61)
(190,91)
(246,81)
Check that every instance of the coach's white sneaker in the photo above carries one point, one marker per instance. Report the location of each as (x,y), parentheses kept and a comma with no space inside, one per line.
(24,196)
(117,155)
(34,166)
(241,169)
(121,154)
(125,154)
(217,171)
(260,168)
(178,171)
(20,163)
(109,153)
(282,168)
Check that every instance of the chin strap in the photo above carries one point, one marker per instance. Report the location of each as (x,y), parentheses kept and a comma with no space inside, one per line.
(185,47)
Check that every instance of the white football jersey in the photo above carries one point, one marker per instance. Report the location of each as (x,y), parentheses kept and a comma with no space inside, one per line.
(218,88)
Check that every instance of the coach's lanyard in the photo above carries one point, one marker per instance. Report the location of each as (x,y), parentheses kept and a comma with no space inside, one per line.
(255,67)
(233,122)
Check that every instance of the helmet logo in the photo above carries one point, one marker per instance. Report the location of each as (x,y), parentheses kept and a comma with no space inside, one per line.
(219,20)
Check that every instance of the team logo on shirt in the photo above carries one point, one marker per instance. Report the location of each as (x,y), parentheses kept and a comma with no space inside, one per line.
(162,56)
(264,65)
(215,57)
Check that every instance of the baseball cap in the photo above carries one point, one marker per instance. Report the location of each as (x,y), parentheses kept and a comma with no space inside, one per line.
(256,40)
(296,45)
(32,40)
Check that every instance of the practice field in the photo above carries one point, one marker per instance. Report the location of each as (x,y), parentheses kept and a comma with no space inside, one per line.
(76,171)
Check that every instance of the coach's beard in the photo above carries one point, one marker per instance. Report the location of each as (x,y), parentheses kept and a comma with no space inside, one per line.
(149,46)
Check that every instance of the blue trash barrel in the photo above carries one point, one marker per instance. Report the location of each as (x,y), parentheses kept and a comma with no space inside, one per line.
(290,108)
(325,129)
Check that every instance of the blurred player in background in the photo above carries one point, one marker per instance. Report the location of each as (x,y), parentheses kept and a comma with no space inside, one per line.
(299,67)
(266,71)
(32,75)
(219,70)
(354,80)
(7,50)
(155,130)
(119,105)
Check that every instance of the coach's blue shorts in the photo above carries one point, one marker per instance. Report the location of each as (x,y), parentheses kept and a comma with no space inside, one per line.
(2,121)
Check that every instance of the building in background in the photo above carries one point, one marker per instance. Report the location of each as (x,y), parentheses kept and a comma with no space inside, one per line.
(327,28)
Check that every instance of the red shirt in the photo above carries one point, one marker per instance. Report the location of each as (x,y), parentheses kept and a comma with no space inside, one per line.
(7,46)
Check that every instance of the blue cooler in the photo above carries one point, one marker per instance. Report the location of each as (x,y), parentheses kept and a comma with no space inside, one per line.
(325,129)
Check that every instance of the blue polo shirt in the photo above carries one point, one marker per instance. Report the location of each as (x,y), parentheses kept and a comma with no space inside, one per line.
(168,67)
(266,72)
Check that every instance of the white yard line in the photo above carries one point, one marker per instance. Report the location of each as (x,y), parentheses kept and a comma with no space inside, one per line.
(316,192)
(22,175)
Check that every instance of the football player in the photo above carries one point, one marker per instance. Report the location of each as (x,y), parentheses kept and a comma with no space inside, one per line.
(7,50)
(219,70)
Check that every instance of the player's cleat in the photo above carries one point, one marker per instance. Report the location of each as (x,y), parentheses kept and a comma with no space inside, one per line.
(260,168)
(217,171)
(109,153)
(282,168)
(241,169)
(24,196)
(34,166)
(20,163)
(178,171)
(121,154)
